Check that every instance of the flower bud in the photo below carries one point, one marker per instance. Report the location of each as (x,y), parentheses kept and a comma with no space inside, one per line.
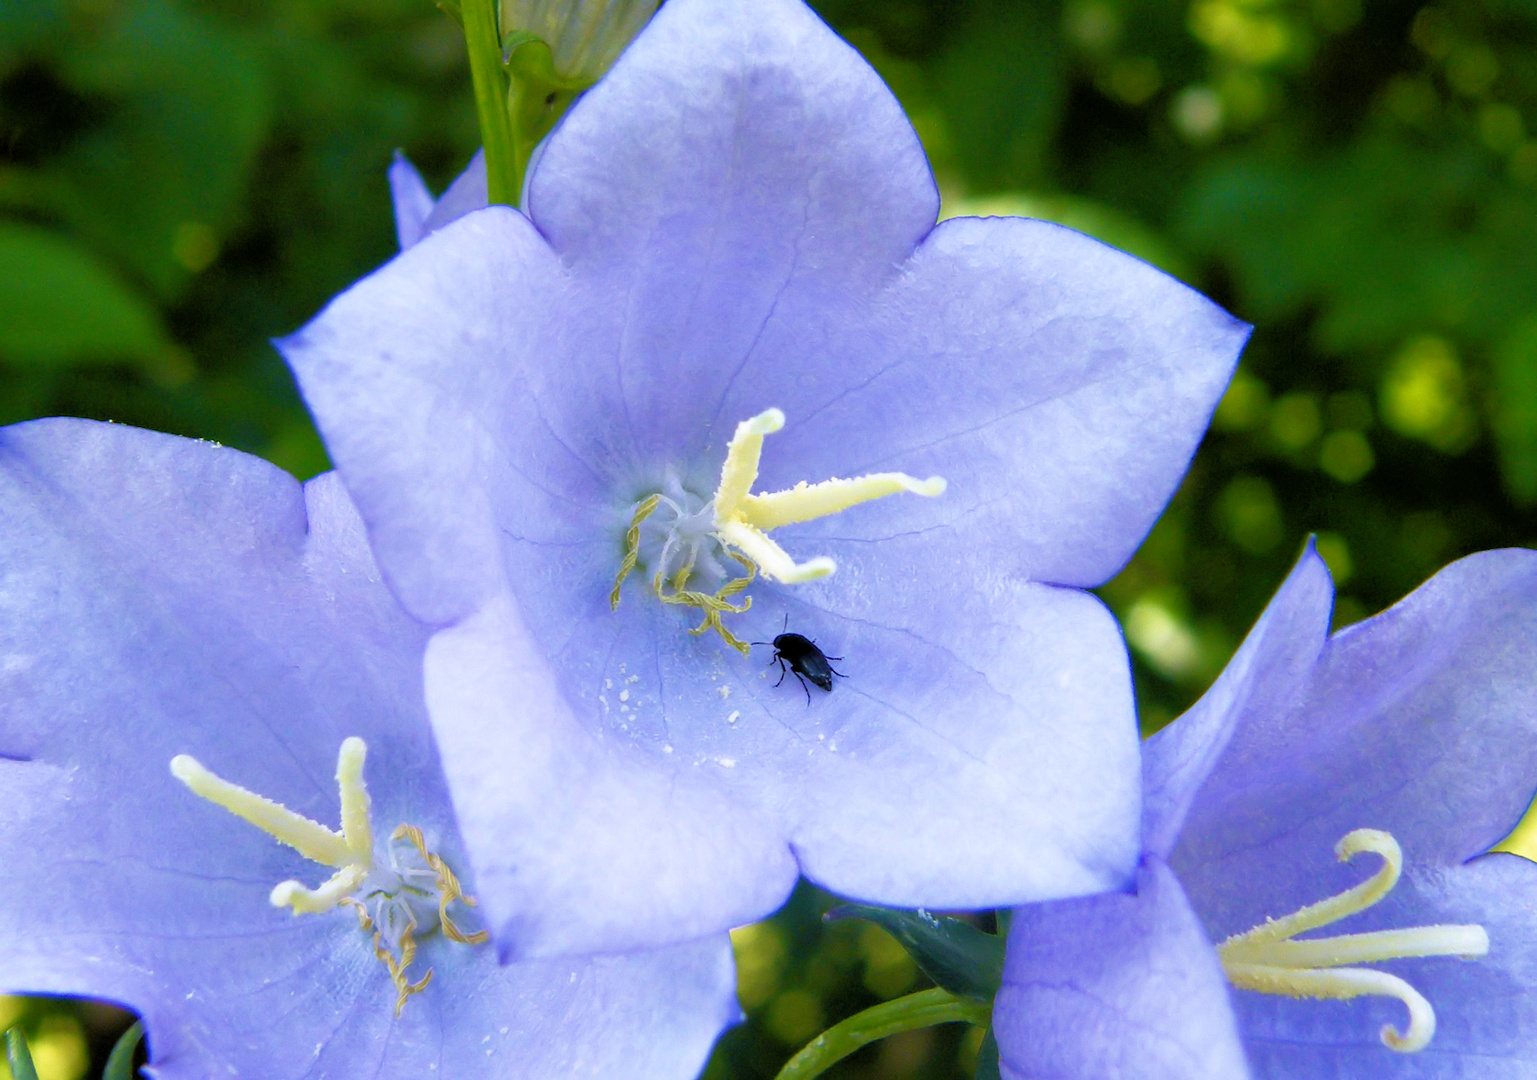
(584,36)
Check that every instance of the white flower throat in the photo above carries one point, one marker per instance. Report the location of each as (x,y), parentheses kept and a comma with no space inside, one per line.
(735,524)
(401,901)
(1268,959)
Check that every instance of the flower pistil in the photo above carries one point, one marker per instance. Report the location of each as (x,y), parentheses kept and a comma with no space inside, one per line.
(1267,959)
(736,523)
(398,902)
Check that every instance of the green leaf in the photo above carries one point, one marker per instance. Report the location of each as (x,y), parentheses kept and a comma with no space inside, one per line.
(1515,410)
(60,305)
(120,1061)
(956,955)
(987,1058)
(18,1056)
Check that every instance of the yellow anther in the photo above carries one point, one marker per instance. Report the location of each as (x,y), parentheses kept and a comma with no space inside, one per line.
(1267,959)
(632,546)
(309,838)
(448,887)
(404,988)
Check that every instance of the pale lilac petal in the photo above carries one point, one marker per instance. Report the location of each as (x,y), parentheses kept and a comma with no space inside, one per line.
(421,429)
(1115,987)
(1269,670)
(1057,384)
(740,175)
(579,842)
(465,195)
(412,199)
(165,596)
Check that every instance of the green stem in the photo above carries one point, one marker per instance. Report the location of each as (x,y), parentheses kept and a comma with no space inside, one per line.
(923,1009)
(503,179)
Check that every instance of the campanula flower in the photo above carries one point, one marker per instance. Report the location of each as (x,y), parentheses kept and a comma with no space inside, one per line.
(189,644)
(727,380)
(1326,833)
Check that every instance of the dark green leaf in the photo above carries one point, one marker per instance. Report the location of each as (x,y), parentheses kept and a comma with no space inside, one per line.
(956,955)
(987,1058)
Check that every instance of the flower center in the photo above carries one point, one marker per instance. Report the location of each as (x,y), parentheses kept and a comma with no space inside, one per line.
(735,524)
(400,901)
(1266,958)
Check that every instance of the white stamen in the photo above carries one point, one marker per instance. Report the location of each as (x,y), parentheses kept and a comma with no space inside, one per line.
(1267,960)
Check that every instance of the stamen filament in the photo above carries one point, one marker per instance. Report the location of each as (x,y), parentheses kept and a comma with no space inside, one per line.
(1267,960)
(309,838)
(807,502)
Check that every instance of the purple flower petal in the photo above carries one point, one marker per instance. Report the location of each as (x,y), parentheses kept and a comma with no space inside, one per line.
(1268,670)
(465,195)
(1115,987)
(413,201)
(163,596)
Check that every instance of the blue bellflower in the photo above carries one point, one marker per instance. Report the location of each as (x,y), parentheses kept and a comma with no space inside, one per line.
(1326,813)
(727,380)
(188,642)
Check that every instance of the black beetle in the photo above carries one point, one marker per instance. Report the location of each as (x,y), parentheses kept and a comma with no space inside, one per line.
(805,659)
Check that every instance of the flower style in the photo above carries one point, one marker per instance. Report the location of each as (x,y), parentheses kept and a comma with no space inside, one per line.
(727,379)
(1407,744)
(171,607)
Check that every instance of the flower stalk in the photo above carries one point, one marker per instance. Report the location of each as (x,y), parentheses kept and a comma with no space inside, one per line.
(908,1013)
(504,180)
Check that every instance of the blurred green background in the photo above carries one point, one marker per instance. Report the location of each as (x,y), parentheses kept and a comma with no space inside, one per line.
(181,180)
